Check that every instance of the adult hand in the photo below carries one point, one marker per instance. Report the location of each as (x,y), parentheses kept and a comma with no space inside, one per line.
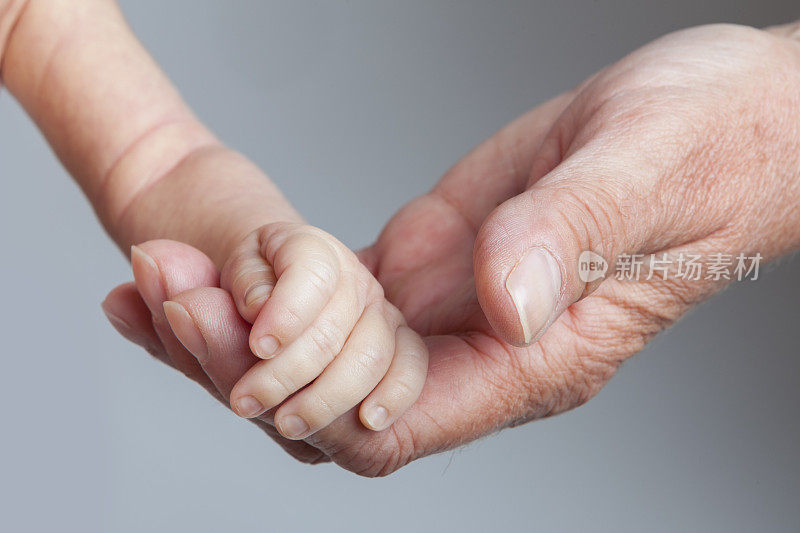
(162,270)
(690,144)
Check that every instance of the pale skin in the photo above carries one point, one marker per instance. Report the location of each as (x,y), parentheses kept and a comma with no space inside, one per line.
(328,338)
(691,143)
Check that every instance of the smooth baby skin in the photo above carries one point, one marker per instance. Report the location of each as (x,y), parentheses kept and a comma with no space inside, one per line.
(152,170)
(332,339)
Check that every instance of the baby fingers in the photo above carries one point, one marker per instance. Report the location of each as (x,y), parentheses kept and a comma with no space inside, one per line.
(346,381)
(402,384)
(271,381)
(281,278)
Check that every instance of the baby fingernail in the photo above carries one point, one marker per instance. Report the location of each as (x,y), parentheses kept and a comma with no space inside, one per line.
(185,329)
(292,426)
(248,407)
(267,346)
(376,417)
(534,285)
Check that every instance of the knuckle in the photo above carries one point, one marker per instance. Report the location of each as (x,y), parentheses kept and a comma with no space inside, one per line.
(286,320)
(326,340)
(321,273)
(368,285)
(273,229)
(391,315)
(416,355)
(318,409)
(593,217)
(362,287)
(278,386)
(270,238)
(402,390)
(371,360)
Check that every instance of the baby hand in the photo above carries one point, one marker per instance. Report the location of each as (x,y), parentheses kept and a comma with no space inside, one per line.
(328,338)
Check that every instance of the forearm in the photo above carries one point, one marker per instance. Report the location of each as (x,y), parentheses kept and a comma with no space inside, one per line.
(211,199)
(122,130)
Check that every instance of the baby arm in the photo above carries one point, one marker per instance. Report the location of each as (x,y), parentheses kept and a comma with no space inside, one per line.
(326,334)
(152,170)
(149,167)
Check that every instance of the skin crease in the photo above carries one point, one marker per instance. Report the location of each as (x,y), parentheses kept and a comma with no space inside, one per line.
(688,144)
(152,170)
(329,324)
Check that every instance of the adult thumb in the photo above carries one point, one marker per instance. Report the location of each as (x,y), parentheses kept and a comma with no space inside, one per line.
(541,251)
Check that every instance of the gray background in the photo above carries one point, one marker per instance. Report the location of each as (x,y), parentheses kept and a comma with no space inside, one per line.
(354,107)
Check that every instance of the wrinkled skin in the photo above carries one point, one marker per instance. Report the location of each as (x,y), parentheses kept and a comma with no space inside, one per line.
(689,144)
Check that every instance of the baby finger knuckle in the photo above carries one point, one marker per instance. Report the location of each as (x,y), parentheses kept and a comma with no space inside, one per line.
(401,390)
(318,408)
(325,339)
(278,386)
(322,274)
(371,360)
